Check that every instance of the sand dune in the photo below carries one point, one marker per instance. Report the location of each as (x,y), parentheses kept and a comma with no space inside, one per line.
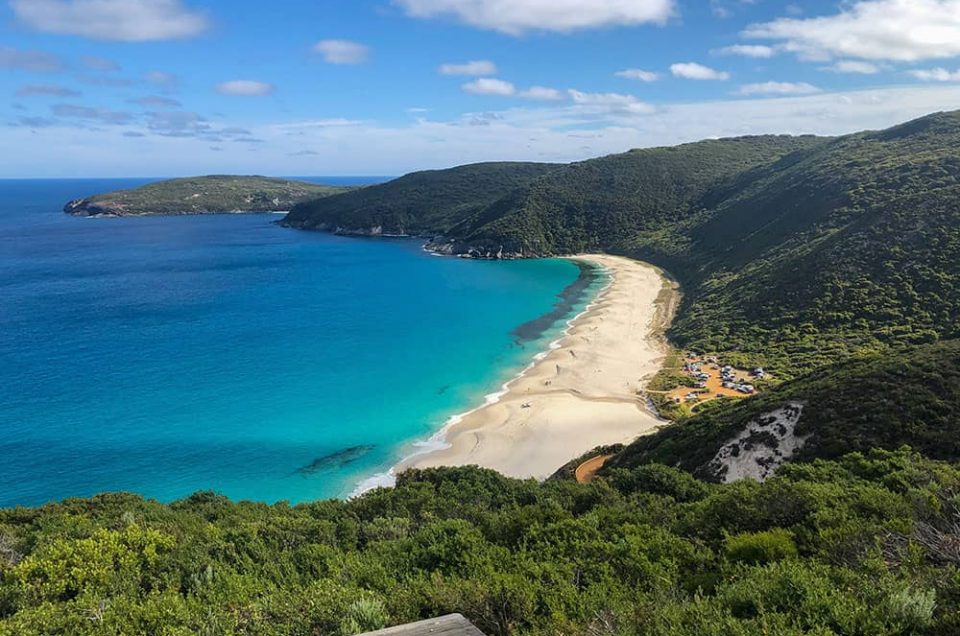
(581,395)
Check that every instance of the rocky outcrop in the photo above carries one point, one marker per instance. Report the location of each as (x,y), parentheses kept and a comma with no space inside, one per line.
(480,250)
(89,207)
(764,445)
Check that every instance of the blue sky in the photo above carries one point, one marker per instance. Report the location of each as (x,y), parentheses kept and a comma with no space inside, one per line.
(336,87)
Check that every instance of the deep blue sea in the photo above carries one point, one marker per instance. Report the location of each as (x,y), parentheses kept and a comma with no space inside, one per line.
(167,355)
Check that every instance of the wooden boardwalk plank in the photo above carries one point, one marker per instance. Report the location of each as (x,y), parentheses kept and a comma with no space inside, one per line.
(449,625)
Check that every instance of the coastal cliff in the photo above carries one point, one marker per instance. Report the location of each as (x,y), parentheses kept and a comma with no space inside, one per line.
(218,194)
(489,250)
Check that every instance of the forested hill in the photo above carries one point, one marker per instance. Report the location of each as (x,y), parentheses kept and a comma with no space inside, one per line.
(903,397)
(841,247)
(844,250)
(203,195)
(606,203)
(431,202)
(793,252)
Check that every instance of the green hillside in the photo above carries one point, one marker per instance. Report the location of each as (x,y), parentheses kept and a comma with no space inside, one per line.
(794,252)
(862,546)
(846,250)
(605,203)
(430,202)
(203,195)
(902,397)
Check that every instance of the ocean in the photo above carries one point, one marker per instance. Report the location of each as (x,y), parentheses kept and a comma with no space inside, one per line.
(169,355)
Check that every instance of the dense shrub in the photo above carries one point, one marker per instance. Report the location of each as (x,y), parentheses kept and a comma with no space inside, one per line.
(757,548)
(826,548)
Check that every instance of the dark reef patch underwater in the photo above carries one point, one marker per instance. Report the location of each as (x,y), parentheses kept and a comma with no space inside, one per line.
(337,459)
(575,295)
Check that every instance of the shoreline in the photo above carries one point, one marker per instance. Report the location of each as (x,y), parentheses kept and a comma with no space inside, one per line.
(583,391)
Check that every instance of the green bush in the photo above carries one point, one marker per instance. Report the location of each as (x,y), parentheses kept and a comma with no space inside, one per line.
(912,608)
(364,615)
(757,548)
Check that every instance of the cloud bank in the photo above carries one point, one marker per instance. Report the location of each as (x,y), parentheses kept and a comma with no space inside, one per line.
(516,17)
(244,88)
(694,71)
(476,68)
(342,51)
(891,30)
(121,20)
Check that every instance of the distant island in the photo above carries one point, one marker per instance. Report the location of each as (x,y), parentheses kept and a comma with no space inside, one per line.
(217,194)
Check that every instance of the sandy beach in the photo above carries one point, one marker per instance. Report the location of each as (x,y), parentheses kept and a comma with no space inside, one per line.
(583,394)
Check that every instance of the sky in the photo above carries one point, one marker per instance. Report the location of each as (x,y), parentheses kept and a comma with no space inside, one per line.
(156,88)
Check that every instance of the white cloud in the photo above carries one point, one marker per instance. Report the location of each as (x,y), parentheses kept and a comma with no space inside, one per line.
(30,61)
(758,51)
(894,30)
(778,88)
(245,88)
(333,122)
(489,86)
(853,66)
(519,16)
(612,102)
(726,8)
(580,97)
(542,93)
(122,20)
(542,132)
(937,75)
(476,68)
(694,71)
(638,74)
(342,51)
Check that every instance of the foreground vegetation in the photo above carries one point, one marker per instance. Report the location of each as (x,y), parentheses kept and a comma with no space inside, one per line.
(861,546)
(203,195)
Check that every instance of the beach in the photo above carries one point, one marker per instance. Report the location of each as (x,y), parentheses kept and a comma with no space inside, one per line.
(585,392)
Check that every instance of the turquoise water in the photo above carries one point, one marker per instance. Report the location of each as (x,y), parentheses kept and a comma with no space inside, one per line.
(169,355)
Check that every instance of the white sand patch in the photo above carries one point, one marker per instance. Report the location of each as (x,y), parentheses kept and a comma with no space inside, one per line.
(582,393)
(762,447)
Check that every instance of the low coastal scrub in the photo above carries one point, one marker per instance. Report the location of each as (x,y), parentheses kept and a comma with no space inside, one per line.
(670,376)
(855,546)
(903,396)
